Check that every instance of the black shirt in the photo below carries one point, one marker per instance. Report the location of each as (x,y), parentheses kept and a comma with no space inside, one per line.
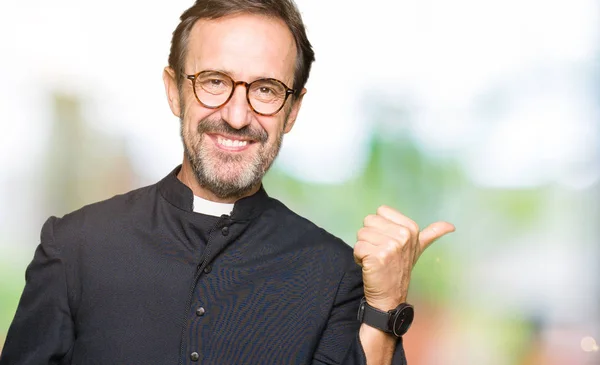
(142,279)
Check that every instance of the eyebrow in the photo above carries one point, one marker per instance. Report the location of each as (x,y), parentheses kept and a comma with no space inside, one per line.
(230,74)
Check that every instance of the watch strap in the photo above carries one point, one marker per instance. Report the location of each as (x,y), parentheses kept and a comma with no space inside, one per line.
(374,317)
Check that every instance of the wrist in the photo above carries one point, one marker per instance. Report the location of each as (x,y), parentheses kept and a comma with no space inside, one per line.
(395,321)
(385,304)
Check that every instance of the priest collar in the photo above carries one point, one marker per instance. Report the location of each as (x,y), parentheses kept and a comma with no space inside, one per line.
(181,196)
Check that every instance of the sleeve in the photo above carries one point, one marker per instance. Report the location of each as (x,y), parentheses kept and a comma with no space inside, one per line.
(42,331)
(340,342)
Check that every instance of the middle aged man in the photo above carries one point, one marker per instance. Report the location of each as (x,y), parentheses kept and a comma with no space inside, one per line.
(203,267)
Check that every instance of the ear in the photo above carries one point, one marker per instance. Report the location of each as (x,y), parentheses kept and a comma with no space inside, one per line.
(294,112)
(172,91)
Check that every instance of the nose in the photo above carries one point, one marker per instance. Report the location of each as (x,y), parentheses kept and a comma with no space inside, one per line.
(237,113)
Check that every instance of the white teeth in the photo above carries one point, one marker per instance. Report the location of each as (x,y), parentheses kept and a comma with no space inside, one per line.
(231,143)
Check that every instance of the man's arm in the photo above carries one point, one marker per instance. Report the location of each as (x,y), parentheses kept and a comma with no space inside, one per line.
(343,341)
(379,346)
(42,331)
(388,247)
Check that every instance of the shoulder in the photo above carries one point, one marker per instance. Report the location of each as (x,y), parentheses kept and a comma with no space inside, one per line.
(308,235)
(99,216)
(323,254)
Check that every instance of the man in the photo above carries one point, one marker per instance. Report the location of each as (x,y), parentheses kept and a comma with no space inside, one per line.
(203,267)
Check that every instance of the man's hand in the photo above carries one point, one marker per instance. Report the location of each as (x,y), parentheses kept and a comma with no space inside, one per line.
(388,247)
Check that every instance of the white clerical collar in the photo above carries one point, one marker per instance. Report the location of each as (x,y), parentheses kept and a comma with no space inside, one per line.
(211,208)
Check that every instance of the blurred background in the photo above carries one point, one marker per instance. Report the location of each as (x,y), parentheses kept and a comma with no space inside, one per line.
(482,113)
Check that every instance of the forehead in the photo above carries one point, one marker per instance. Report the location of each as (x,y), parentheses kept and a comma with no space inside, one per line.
(247,46)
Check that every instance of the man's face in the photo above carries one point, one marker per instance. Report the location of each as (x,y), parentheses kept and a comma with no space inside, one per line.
(231,148)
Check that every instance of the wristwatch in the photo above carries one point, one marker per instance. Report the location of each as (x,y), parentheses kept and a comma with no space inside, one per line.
(396,321)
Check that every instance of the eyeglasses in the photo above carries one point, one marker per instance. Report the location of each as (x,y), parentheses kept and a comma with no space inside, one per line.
(214,89)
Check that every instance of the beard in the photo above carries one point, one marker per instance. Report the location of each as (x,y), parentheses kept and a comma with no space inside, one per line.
(229,175)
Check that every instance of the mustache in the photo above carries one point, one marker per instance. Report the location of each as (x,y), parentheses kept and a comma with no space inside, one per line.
(222,127)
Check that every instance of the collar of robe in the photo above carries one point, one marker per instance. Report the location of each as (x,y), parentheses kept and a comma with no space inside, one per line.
(179,195)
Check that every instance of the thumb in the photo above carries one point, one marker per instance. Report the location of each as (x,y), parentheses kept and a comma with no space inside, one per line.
(433,232)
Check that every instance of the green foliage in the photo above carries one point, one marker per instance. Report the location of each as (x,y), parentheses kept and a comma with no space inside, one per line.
(518,208)
(12,281)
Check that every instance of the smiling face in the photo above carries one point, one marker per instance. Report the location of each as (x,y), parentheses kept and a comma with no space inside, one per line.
(228,150)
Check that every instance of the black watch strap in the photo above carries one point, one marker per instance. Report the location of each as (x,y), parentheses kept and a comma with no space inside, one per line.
(374,317)
(396,321)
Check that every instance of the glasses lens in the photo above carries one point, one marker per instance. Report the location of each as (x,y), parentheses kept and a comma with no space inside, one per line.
(213,88)
(266,96)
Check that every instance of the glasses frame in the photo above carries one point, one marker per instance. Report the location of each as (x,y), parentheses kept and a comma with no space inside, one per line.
(235,84)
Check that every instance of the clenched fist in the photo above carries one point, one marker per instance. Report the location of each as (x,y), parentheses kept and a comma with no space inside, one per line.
(387,248)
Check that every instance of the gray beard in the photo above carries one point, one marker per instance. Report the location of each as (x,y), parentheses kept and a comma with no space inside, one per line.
(207,165)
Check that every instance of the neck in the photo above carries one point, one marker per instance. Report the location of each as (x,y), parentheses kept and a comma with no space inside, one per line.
(186,175)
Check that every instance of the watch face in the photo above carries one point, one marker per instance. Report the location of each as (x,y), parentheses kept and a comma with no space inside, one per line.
(403,319)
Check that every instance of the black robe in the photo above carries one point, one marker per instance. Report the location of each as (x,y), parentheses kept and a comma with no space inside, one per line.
(142,279)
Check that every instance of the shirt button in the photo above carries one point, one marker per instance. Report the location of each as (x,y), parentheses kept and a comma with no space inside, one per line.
(207,269)
(200,311)
(194,356)
(225,231)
